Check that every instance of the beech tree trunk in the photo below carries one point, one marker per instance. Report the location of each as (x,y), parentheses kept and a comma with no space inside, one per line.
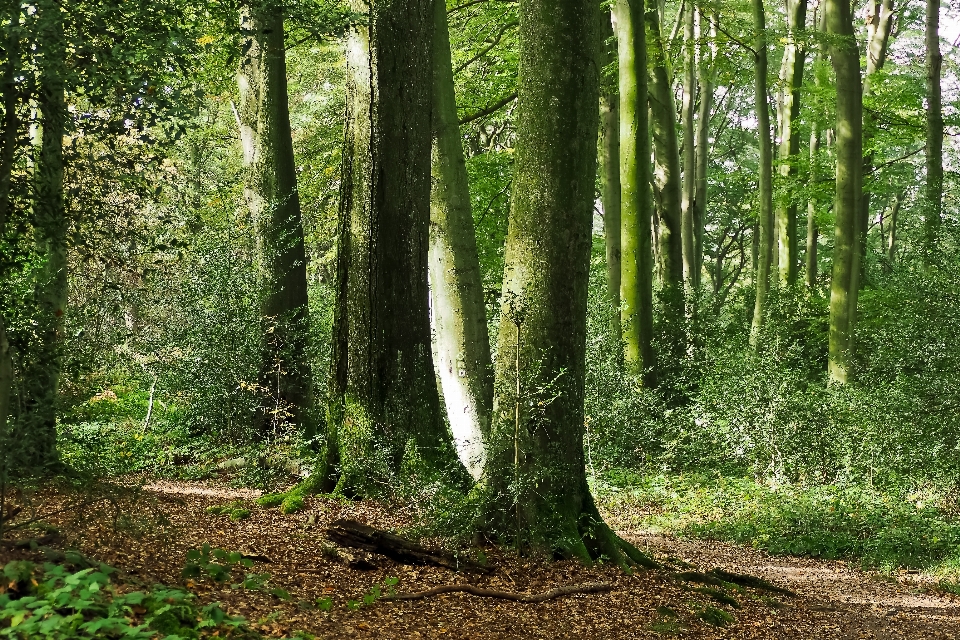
(844,284)
(460,339)
(933,188)
(666,153)
(271,193)
(813,228)
(636,203)
(610,169)
(791,78)
(37,433)
(880,25)
(705,80)
(688,109)
(535,485)
(765,209)
(384,412)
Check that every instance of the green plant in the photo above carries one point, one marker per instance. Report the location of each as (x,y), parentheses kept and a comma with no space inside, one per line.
(714,616)
(52,603)
(236,510)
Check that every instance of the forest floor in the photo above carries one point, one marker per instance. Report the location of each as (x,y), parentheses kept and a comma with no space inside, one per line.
(147,535)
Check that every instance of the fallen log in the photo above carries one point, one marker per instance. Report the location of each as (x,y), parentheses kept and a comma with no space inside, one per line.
(590,587)
(350,533)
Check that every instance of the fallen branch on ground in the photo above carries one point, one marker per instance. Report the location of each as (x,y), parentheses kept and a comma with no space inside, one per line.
(590,587)
(350,533)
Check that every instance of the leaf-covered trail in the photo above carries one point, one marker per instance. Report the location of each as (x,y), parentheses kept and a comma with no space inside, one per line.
(162,523)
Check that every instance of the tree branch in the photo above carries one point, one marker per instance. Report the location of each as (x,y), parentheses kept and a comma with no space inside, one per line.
(590,587)
(483,113)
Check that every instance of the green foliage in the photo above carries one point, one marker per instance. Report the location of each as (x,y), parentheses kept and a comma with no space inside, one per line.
(52,603)
(235,510)
(219,565)
(715,617)
(881,529)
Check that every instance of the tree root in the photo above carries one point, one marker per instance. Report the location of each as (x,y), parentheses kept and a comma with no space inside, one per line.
(590,587)
(722,578)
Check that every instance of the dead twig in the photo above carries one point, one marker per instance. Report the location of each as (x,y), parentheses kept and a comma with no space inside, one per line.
(590,587)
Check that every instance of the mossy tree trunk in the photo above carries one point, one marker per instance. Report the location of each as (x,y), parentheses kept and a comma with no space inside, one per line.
(37,434)
(791,79)
(688,111)
(933,187)
(535,487)
(460,338)
(271,193)
(765,215)
(705,80)
(610,169)
(666,153)
(844,282)
(384,409)
(636,286)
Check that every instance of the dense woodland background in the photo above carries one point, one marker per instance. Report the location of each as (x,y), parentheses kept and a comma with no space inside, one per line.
(200,275)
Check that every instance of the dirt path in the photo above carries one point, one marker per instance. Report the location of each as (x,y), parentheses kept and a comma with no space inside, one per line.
(150,542)
(858,604)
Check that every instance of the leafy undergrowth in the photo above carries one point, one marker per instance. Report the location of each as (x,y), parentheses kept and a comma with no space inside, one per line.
(52,602)
(883,530)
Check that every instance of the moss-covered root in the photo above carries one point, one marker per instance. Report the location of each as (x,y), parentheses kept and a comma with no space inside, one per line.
(292,501)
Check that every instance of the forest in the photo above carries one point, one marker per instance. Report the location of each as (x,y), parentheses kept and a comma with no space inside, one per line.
(479,319)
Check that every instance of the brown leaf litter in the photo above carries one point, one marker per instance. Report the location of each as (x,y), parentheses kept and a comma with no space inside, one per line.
(147,535)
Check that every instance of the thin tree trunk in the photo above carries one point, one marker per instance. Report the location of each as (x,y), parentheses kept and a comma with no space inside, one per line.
(880,25)
(933,188)
(791,78)
(637,216)
(384,405)
(813,229)
(765,210)
(610,169)
(688,110)
(460,338)
(892,236)
(705,79)
(38,438)
(271,193)
(844,283)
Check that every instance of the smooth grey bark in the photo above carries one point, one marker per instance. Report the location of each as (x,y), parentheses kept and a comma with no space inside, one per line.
(844,284)
(637,206)
(461,342)
(384,410)
(270,190)
(688,109)
(891,248)
(813,229)
(610,169)
(788,108)
(535,486)
(37,435)
(765,215)
(933,187)
(705,80)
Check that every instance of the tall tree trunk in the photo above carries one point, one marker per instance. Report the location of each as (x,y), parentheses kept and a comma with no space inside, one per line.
(9,128)
(666,152)
(535,483)
(637,214)
(271,193)
(688,109)
(791,78)
(38,434)
(610,169)
(765,210)
(813,228)
(880,25)
(705,79)
(933,189)
(384,403)
(844,284)
(460,338)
